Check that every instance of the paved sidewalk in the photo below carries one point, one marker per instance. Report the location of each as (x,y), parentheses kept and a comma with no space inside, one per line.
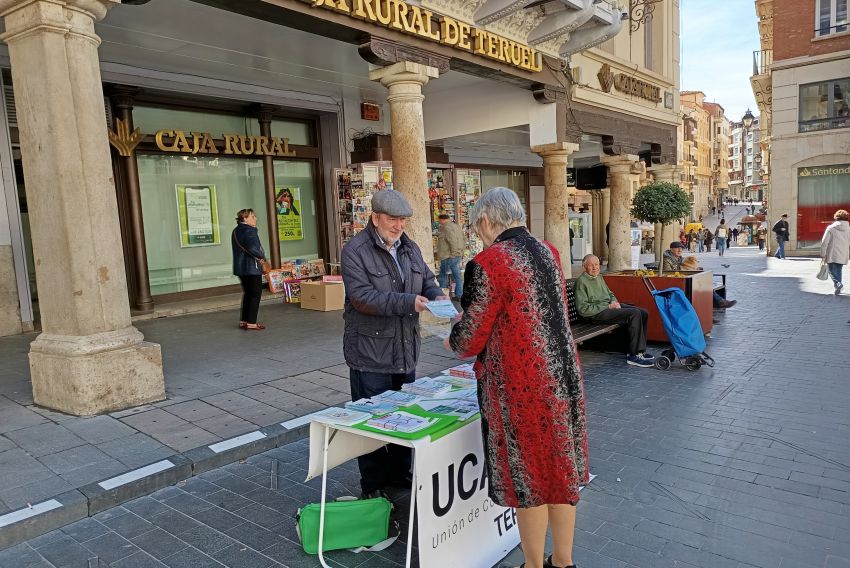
(747,464)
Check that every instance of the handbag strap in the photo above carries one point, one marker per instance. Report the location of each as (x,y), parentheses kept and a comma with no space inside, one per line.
(243,248)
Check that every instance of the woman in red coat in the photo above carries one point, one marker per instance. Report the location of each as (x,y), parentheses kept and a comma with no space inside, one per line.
(530,384)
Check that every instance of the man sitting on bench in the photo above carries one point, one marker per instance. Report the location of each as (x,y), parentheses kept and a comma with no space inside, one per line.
(674,261)
(596,302)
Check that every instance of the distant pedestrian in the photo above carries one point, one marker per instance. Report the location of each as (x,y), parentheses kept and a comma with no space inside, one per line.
(248,258)
(701,239)
(709,239)
(780,229)
(734,240)
(450,246)
(835,247)
(761,236)
(692,241)
(721,233)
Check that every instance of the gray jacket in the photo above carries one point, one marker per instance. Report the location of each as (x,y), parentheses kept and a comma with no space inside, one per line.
(381,324)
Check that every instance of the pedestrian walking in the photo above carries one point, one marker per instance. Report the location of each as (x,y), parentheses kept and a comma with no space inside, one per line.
(720,235)
(761,237)
(529,379)
(387,285)
(731,242)
(450,245)
(835,247)
(692,241)
(701,239)
(780,229)
(248,259)
(709,240)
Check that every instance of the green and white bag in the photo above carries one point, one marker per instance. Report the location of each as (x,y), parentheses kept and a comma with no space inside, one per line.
(360,524)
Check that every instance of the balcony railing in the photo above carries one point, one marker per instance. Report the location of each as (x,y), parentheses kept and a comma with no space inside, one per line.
(762,60)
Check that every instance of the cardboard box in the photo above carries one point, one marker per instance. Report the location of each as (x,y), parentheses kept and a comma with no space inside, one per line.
(322,296)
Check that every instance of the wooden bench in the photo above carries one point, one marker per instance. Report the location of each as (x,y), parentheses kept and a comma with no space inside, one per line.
(584,329)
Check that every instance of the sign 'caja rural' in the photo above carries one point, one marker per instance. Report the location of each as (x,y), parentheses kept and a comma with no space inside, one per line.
(407,18)
(232,144)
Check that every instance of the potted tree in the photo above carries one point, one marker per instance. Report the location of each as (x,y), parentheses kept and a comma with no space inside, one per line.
(660,202)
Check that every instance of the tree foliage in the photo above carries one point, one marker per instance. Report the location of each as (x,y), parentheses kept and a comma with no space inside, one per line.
(660,202)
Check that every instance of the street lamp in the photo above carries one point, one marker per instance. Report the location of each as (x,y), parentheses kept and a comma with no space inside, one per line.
(747,122)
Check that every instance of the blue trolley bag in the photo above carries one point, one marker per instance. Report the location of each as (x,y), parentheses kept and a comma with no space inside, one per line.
(680,321)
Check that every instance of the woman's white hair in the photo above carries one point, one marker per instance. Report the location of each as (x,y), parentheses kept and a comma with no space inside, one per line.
(501,206)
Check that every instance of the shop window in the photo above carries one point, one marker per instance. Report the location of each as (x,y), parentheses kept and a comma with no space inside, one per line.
(298,133)
(825,105)
(821,191)
(831,17)
(189,204)
(151,119)
(515,180)
(298,226)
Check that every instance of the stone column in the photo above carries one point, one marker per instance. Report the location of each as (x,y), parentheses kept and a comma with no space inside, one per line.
(624,171)
(88,359)
(556,220)
(410,176)
(596,216)
(606,219)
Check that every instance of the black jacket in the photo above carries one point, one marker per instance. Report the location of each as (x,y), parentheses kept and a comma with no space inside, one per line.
(781,230)
(246,263)
(381,324)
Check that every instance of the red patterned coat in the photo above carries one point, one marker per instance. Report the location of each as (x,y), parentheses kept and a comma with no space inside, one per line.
(530,385)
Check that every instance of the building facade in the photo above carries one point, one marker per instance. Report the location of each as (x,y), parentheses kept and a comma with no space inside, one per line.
(719,128)
(175,128)
(745,163)
(699,150)
(802,85)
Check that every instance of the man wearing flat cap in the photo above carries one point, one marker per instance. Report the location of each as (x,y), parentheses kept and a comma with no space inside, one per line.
(674,262)
(387,284)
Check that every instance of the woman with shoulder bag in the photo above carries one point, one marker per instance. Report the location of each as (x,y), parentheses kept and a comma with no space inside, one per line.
(249,263)
(835,247)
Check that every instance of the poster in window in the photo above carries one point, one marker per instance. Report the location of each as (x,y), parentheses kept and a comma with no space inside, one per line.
(288,205)
(197,210)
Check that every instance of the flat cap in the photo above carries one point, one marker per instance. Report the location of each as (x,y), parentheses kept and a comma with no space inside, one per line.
(391,202)
(676,245)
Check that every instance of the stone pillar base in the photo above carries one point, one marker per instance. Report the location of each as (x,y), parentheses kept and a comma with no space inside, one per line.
(97,373)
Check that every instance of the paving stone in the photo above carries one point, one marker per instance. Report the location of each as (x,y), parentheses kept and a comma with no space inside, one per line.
(239,556)
(66,553)
(22,556)
(253,535)
(159,543)
(174,522)
(18,468)
(85,529)
(111,547)
(194,410)
(138,560)
(99,429)
(129,526)
(190,558)
(206,539)
(18,417)
(43,439)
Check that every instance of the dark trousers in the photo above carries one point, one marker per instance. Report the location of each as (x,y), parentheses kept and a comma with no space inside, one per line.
(633,318)
(252,291)
(391,462)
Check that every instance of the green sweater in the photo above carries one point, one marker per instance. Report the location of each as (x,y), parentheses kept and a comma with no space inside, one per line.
(592,295)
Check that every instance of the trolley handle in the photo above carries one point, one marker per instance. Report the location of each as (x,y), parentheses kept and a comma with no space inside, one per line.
(650,287)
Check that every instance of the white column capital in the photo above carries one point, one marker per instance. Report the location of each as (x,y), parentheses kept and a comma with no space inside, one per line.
(25,17)
(554,153)
(623,164)
(406,72)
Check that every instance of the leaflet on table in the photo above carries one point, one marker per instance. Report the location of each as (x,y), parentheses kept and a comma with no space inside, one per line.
(463,409)
(426,387)
(401,422)
(341,416)
(442,309)
(399,398)
(372,406)
(458,394)
(438,424)
(459,382)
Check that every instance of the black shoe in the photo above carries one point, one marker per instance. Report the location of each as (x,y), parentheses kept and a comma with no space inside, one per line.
(548,564)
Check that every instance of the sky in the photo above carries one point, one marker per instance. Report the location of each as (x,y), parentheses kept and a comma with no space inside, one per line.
(718,39)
